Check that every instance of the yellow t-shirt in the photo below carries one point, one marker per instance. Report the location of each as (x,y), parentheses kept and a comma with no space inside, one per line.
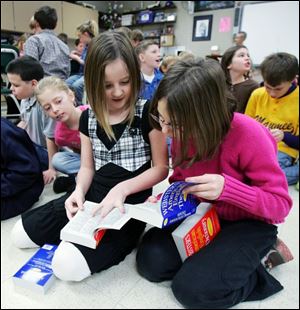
(281,113)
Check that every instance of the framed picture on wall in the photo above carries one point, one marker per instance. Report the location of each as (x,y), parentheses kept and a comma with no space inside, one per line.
(212,5)
(202,28)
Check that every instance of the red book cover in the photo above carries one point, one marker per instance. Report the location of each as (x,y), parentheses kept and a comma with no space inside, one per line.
(196,231)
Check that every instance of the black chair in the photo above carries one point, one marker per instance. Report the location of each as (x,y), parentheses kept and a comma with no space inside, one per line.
(9,53)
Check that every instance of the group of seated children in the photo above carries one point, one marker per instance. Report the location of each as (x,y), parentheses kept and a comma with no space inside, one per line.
(237,143)
(229,158)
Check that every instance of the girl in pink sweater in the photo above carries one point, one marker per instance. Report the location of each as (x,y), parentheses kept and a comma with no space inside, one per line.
(232,159)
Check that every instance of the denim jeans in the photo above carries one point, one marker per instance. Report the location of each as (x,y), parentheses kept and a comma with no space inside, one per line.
(169,142)
(76,82)
(289,167)
(66,162)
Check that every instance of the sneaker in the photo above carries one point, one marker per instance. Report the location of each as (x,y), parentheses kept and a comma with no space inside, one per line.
(64,184)
(279,254)
(297,186)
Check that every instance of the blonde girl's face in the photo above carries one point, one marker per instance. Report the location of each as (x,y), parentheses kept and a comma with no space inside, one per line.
(117,85)
(58,104)
(241,62)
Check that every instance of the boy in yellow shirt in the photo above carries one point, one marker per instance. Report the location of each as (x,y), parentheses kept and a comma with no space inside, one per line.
(276,106)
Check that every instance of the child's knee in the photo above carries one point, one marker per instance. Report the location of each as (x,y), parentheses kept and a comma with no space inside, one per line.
(69,264)
(57,159)
(20,238)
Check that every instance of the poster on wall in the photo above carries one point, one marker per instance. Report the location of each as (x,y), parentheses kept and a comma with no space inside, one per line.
(225,24)
(212,5)
(202,28)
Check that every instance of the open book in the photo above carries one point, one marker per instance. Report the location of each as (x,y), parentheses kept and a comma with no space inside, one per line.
(171,207)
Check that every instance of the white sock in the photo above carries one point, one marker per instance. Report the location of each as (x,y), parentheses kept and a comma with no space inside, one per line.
(20,238)
(69,264)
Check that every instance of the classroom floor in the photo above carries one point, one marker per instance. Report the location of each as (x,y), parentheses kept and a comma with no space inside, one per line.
(121,287)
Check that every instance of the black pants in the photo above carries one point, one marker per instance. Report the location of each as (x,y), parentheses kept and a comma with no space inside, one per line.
(43,225)
(221,275)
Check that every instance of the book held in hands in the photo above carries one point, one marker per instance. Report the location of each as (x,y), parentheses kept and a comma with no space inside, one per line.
(196,231)
(171,207)
(37,273)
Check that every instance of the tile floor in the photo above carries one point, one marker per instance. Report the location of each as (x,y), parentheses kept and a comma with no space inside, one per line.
(121,287)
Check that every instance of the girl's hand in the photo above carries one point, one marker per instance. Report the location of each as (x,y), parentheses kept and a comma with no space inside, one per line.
(210,186)
(277,134)
(154,199)
(49,175)
(114,199)
(74,203)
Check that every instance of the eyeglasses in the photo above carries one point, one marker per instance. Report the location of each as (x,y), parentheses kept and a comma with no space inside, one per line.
(161,121)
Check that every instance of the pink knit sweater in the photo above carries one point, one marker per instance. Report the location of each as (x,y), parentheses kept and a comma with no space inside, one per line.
(255,186)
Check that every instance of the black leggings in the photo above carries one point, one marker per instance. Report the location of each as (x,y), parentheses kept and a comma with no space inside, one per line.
(221,275)
(43,225)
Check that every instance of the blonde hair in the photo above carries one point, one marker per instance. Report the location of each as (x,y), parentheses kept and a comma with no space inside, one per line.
(144,45)
(52,82)
(137,35)
(103,50)
(90,26)
(32,23)
(167,62)
(186,55)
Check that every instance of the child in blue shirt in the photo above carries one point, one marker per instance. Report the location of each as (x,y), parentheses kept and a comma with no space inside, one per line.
(149,57)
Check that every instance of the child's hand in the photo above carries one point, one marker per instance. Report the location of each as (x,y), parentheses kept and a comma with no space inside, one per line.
(277,134)
(114,199)
(74,203)
(49,175)
(154,199)
(210,186)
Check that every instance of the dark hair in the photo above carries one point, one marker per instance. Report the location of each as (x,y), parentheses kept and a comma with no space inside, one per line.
(77,41)
(46,17)
(198,105)
(64,37)
(104,49)
(227,60)
(244,33)
(27,67)
(278,68)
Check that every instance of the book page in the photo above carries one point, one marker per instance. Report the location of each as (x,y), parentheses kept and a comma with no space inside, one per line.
(84,223)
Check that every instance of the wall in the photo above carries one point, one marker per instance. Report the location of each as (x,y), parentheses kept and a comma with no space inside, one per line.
(15,15)
(22,11)
(183,27)
(184,30)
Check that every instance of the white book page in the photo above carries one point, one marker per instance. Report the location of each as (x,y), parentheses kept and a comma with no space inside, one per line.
(84,223)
